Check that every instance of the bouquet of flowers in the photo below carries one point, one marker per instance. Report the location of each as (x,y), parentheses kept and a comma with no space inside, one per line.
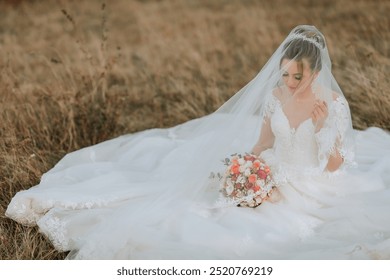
(247,180)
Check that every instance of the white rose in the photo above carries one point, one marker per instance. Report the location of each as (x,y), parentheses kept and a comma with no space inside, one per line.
(229,189)
(241,161)
(268,187)
(241,179)
(248,164)
(242,168)
(260,183)
(259,199)
(247,172)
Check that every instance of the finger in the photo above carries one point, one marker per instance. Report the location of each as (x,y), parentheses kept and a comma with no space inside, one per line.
(320,115)
(319,101)
(323,109)
(318,111)
(315,115)
(321,104)
(326,106)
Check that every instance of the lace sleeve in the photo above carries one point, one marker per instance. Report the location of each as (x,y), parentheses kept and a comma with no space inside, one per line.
(269,106)
(335,135)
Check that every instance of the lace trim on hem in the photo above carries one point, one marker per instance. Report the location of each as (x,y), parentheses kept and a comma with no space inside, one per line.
(55,229)
(21,210)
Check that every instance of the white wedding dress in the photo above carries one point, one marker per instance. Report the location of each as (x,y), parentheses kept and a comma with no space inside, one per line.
(150,195)
(108,202)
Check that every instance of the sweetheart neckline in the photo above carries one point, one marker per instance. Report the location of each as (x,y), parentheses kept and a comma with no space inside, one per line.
(293,129)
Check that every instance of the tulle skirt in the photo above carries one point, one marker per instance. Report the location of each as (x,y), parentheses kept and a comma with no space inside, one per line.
(127,198)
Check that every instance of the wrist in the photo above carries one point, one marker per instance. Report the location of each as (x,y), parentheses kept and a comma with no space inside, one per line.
(318,126)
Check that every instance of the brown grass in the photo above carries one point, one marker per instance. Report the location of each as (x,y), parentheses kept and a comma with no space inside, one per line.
(75,73)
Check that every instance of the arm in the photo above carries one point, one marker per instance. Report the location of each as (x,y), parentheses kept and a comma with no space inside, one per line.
(319,115)
(266,139)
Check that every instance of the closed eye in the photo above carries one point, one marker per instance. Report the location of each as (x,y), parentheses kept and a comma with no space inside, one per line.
(298,77)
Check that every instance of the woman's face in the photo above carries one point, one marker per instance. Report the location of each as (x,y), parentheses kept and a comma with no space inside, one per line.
(297,76)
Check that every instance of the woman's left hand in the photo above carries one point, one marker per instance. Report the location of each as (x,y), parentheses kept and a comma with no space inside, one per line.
(319,114)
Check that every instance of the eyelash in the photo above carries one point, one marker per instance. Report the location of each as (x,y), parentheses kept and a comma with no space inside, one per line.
(296,77)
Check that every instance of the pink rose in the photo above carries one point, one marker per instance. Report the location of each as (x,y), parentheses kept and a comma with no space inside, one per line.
(252,178)
(249,158)
(262,174)
(249,185)
(256,164)
(235,169)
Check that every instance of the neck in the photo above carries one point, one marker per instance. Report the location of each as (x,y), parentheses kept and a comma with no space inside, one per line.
(304,95)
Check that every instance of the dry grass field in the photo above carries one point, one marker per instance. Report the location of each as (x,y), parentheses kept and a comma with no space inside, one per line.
(75,73)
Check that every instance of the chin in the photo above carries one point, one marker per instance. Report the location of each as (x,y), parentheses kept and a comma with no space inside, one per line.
(292,90)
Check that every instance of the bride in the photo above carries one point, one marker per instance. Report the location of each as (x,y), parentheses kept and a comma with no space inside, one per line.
(149,195)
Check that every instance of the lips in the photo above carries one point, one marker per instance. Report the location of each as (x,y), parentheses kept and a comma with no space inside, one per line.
(292,88)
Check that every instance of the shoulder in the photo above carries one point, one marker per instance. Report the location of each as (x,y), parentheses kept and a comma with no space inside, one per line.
(279,94)
(339,99)
(275,95)
(336,96)
(339,108)
(272,100)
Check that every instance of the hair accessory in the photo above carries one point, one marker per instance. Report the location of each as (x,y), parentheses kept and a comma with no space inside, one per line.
(303,37)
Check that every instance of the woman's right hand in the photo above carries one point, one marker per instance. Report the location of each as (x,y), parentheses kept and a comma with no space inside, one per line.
(319,114)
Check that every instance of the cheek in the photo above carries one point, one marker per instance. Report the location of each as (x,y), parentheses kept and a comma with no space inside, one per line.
(294,82)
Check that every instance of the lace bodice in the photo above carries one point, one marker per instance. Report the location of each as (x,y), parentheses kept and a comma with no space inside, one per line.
(294,146)
(302,149)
